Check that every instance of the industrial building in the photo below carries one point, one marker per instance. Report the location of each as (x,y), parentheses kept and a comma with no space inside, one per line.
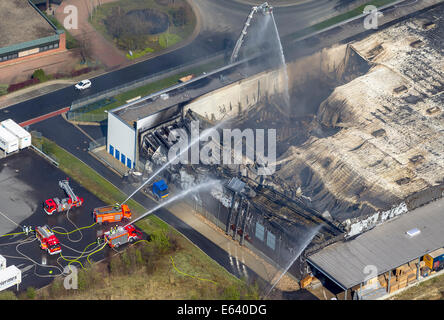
(25,32)
(356,163)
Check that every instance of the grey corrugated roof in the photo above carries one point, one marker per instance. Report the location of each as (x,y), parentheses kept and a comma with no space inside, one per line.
(386,246)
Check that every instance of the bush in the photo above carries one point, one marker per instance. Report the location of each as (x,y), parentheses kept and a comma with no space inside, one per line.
(126,261)
(40,75)
(115,265)
(231,293)
(83,279)
(3,89)
(79,72)
(21,85)
(30,293)
(138,257)
(252,292)
(56,289)
(161,241)
(8,295)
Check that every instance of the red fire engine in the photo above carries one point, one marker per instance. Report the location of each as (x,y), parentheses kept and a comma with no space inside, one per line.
(57,205)
(121,235)
(48,240)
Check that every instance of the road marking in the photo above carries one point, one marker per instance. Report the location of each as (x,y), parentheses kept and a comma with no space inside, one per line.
(44,117)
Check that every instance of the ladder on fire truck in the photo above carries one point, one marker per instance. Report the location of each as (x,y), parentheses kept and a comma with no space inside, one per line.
(64,184)
(264,8)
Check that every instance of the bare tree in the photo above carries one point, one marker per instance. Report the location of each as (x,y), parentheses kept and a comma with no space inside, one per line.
(85,47)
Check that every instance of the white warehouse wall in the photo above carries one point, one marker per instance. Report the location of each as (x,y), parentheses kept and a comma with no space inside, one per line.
(237,97)
(121,140)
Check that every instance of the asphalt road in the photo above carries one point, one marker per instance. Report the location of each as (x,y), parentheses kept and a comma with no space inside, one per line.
(41,181)
(229,15)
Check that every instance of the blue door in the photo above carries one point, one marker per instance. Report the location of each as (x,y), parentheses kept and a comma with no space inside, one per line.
(128,163)
(111,150)
(117,155)
(123,158)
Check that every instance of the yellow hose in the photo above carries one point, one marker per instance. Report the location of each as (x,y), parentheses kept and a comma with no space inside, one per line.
(75,230)
(87,258)
(188,275)
(77,259)
(12,234)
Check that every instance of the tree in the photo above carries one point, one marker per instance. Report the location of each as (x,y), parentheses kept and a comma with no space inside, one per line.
(85,48)
(179,17)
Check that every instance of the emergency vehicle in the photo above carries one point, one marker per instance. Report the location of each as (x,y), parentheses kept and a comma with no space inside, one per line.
(56,205)
(111,213)
(121,235)
(160,189)
(48,240)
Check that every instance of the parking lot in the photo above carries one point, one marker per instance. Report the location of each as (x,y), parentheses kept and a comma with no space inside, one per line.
(26,181)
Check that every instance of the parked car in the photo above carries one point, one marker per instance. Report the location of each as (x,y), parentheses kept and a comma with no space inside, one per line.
(84,84)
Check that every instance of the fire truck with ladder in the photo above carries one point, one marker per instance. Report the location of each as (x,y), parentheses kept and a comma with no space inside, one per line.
(48,240)
(56,205)
(120,235)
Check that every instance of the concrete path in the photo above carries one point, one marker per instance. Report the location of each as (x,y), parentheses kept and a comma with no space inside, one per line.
(101,49)
(33,92)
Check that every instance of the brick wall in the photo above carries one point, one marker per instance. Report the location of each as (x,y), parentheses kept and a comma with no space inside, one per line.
(62,47)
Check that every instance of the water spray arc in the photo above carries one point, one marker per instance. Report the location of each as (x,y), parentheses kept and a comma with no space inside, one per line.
(284,66)
(267,12)
(205,134)
(184,193)
(296,256)
(264,8)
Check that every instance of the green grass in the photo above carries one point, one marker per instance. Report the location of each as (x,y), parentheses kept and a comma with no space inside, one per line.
(168,39)
(71,42)
(337,19)
(139,53)
(3,89)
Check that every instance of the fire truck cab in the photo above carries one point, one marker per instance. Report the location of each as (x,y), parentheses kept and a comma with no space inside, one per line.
(121,235)
(48,240)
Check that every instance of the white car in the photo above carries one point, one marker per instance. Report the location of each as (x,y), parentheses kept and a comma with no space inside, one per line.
(84,84)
